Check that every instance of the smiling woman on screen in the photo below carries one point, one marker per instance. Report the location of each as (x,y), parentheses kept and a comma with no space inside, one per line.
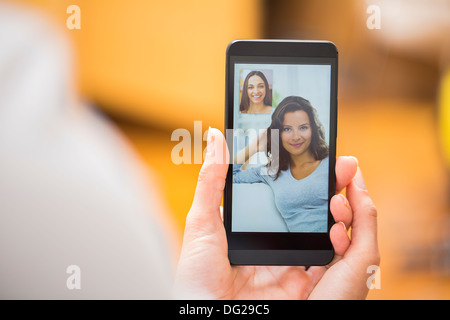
(256,96)
(298,176)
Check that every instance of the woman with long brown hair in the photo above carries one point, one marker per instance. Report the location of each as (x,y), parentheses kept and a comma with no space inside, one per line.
(256,96)
(297,171)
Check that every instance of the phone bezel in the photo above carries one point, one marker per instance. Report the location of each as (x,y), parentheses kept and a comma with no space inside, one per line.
(280,248)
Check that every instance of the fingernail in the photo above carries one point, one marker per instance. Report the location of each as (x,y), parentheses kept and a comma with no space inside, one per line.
(345,199)
(209,142)
(358,180)
(354,158)
(343,224)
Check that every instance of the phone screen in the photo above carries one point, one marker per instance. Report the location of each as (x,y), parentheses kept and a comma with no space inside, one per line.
(282,111)
(268,197)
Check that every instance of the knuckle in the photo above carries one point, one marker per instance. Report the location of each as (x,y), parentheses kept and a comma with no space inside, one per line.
(370,208)
(372,211)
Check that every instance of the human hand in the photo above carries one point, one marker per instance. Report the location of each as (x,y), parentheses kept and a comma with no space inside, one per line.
(346,276)
(204,270)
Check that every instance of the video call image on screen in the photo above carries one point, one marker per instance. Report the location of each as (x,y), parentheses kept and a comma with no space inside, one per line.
(281,117)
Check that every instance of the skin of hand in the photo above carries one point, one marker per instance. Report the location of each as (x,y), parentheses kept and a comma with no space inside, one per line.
(204,271)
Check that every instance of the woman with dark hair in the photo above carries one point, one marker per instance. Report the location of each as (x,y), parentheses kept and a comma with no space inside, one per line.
(256,97)
(297,171)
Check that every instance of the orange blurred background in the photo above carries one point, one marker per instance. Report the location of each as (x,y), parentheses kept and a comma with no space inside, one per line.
(155,66)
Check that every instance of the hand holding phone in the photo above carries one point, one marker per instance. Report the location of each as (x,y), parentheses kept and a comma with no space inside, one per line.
(204,270)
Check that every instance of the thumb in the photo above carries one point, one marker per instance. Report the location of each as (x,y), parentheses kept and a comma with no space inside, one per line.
(205,209)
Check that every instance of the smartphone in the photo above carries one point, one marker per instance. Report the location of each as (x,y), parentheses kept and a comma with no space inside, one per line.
(281,123)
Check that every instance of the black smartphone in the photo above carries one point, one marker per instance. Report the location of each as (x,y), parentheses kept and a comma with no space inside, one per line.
(281,123)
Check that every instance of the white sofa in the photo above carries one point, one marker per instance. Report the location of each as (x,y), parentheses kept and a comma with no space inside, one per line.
(254,209)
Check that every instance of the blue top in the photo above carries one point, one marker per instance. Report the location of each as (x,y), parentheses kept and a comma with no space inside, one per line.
(302,203)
